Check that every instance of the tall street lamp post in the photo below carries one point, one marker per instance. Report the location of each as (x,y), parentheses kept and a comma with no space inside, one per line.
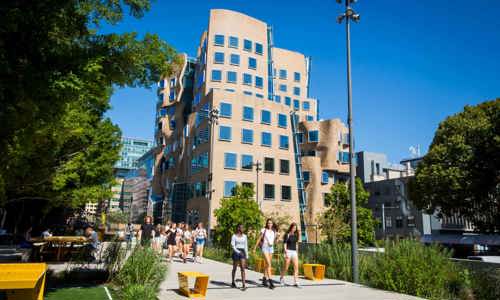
(349,15)
(213,119)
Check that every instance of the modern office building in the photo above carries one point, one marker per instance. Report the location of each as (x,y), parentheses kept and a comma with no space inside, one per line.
(371,166)
(241,114)
(132,149)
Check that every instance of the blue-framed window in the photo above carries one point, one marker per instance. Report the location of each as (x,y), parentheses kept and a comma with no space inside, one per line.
(230,160)
(252,63)
(247,136)
(234,59)
(259,83)
(259,49)
(219,57)
(224,133)
(216,75)
(309,118)
(246,162)
(284,142)
(288,101)
(266,139)
(247,45)
(282,120)
(296,104)
(343,157)
(231,77)
(282,88)
(296,91)
(233,42)
(269,191)
(306,105)
(229,188)
(282,74)
(265,117)
(313,136)
(226,110)
(247,79)
(277,98)
(306,175)
(248,113)
(296,76)
(324,177)
(219,40)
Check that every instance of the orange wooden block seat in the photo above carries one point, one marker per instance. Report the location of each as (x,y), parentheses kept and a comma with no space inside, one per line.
(314,271)
(22,281)
(200,284)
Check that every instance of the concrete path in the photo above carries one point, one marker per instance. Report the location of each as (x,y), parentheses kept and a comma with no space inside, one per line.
(220,280)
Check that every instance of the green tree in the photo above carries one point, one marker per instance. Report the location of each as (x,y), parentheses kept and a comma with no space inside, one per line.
(58,72)
(238,209)
(461,172)
(118,217)
(335,221)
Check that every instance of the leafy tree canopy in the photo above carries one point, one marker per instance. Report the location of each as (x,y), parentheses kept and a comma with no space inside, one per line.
(461,172)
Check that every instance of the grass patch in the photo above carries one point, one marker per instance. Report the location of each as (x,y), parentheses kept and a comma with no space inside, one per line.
(94,293)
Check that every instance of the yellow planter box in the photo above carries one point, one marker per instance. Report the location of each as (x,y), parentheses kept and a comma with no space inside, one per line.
(314,271)
(23,281)
(200,285)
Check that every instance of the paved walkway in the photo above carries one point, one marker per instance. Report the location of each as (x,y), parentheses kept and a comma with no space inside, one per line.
(220,280)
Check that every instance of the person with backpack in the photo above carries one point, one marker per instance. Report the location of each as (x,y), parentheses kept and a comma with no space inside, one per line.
(266,243)
(290,245)
(239,243)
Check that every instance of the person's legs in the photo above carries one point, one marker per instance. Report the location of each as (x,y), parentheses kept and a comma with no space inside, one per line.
(243,265)
(296,269)
(202,246)
(267,265)
(170,252)
(285,269)
(233,273)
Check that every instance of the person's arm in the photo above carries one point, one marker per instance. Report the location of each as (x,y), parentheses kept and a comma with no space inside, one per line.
(139,234)
(258,241)
(233,243)
(246,245)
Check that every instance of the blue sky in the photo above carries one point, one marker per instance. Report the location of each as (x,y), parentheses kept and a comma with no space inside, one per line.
(413,62)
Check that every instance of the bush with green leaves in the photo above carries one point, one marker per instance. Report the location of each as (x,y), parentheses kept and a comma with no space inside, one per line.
(137,291)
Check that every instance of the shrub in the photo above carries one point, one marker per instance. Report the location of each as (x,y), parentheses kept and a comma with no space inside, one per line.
(217,254)
(136,291)
(486,284)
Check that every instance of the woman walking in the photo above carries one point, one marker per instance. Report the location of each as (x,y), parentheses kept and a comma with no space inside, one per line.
(200,235)
(290,242)
(187,240)
(266,242)
(239,243)
(171,242)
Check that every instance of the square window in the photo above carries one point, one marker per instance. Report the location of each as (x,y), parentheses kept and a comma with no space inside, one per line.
(286,193)
(230,160)
(284,166)
(269,191)
(247,79)
(233,42)
(268,164)
(231,76)
(277,99)
(226,110)
(282,88)
(283,74)
(219,57)
(306,175)
(265,117)
(284,144)
(248,113)
(324,177)
(296,104)
(219,40)
(216,75)
(296,91)
(234,59)
(252,63)
(258,48)
(224,133)
(296,76)
(247,45)
(313,136)
(229,188)
(282,120)
(247,136)
(258,82)
(266,139)
(288,101)
(246,162)
(343,157)
(309,118)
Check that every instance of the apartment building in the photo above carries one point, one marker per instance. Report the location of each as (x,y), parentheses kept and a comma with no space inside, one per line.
(241,114)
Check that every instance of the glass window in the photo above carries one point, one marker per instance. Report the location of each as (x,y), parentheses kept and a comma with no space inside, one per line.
(258,82)
(313,136)
(247,93)
(288,101)
(399,222)
(265,116)
(219,40)
(296,91)
(296,104)
(283,88)
(266,139)
(283,74)
(306,175)
(296,76)
(233,42)
(252,63)
(230,160)
(219,57)
(277,98)
(286,193)
(324,177)
(229,188)
(306,105)
(388,222)
(234,59)
(268,164)
(269,191)
(216,75)
(284,166)
(224,133)
(309,118)
(248,113)
(282,120)
(284,142)
(231,76)
(247,79)
(259,95)
(300,137)
(247,45)
(246,162)
(247,136)
(226,110)
(258,48)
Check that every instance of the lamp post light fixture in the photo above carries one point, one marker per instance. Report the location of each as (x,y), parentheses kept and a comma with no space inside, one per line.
(349,15)
(213,119)
(258,168)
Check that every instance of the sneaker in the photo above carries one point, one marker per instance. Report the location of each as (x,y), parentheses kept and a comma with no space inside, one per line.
(297,285)
(264,281)
(282,281)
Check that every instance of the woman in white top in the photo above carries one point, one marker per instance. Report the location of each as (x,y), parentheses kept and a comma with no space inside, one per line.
(187,240)
(200,235)
(239,243)
(266,242)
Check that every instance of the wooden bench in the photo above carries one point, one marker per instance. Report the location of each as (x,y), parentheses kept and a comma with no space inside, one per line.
(22,281)
(314,272)
(200,285)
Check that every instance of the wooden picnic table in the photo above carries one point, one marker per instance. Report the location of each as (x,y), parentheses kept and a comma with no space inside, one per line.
(62,242)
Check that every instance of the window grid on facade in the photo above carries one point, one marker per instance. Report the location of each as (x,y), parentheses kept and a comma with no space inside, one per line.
(230,160)
(286,193)
(233,42)
(247,79)
(216,75)
(225,110)
(234,59)
(269,191)
(224,133)
(219,57)
(284,142)
(284,166)
(247,136)
(229,187)
(265,117)
(219,40)
(231,77)
(266,139)
(248,113)
(282,120)
(247,45)
(268,164)
(246,162)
